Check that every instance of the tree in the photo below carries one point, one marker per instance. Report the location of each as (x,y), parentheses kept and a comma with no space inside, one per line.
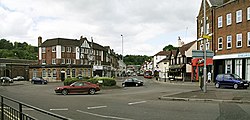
(169,48)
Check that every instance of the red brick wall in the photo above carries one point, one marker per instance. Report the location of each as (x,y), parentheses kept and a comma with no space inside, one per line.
(232,29)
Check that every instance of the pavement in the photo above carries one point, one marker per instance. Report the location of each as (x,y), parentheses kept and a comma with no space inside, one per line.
(212,94)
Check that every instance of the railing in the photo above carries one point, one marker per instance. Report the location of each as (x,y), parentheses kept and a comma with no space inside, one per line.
(10,113)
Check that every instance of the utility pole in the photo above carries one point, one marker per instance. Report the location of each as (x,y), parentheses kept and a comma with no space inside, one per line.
(204,48)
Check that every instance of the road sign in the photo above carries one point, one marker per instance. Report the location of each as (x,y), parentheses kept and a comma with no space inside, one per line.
(207,37)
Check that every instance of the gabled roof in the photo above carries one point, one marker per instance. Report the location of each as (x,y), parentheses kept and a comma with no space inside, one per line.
(68,42)
(163,53)
(174,53)
(214,3)
(60,41)
(186,47)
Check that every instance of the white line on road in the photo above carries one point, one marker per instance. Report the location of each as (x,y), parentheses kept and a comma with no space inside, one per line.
(28,109)
(103,116)
(60,109)
(96,107)
(133,103)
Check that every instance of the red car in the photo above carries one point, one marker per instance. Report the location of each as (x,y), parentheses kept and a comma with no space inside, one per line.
(78,87)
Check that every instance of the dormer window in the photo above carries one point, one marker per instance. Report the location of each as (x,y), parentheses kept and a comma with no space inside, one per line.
(68,49)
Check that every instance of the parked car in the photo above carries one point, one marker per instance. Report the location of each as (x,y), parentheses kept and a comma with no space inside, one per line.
(132,82)
(78,87)
(38,80)
(18,78)
(6,80)
(230,80)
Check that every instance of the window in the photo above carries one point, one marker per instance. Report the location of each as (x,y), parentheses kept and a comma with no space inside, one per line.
(49,73)
(44,73)
(74,61)
(63,61)
(248,13)
(53,48)
(34,72)
(68,72)
(228,65)
(68,61)
(54,72)
(81,62)
(68,49)
(208,46)
(53,61)
(63,49)
(43,50)
(219,21)
(238,40)
(201,31)
(207,32)
(229,42)
(201,46)
(248,38)
(220,43)
(238,16)
(229,19)
(73,73)
(43,61)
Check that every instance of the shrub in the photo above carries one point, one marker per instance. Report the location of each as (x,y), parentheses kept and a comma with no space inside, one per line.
(69,81)
(105,81)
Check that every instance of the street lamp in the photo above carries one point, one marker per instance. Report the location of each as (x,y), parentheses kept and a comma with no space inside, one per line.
(122,54)
(204,48)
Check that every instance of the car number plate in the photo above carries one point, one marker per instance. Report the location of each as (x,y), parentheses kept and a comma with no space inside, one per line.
(245,84)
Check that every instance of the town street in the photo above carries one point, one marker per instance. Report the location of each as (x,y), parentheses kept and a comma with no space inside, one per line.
(129,103)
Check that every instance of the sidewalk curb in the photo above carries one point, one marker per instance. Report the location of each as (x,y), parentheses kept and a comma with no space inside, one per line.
(203,100)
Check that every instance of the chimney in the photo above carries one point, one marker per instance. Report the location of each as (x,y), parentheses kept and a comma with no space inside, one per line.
(39,41)
(179,41)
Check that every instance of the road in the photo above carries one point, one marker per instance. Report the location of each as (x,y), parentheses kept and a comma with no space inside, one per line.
(129,103)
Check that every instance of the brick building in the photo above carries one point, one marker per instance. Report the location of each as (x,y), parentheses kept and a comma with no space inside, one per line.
(61,58)
(228,23)
(232,38)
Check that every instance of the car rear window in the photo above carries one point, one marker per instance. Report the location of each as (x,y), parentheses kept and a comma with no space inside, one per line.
(219,77)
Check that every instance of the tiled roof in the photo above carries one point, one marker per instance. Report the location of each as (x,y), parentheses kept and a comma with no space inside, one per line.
(216,2)
(60,41)
(163,60)
(174,53)
(68,42)
(185,47)
(163,53)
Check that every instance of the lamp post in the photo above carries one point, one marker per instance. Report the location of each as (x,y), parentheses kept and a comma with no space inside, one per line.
(204,48)
(122,53)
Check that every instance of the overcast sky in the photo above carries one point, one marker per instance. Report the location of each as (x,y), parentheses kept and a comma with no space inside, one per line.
(147,26)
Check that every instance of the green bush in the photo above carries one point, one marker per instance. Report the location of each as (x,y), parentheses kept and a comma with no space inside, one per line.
(105,81)
(69,81)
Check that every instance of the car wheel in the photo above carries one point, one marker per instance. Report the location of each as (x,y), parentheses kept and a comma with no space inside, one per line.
(136,85)
(92,91)
(65,92)
(236,86)
(217,85)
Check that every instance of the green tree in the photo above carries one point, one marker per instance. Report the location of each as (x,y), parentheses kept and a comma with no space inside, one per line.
(169,48)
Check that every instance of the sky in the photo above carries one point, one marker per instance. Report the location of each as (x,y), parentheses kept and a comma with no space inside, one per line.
(147,26)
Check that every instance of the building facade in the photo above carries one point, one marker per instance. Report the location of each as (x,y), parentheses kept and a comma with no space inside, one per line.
(232,38)
(61,58)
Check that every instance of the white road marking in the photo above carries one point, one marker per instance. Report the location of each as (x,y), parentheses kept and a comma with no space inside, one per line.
(60,109)
(133,103)
(96,107)
(28,109)
(103,116)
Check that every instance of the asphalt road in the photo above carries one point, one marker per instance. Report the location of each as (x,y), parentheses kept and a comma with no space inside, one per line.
(129,103)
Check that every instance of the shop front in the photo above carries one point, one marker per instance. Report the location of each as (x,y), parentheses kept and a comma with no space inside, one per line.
(198,66)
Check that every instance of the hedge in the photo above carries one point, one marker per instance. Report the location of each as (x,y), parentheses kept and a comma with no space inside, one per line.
(104,81)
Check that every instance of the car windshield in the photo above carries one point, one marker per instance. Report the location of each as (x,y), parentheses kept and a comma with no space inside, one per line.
(236,76)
